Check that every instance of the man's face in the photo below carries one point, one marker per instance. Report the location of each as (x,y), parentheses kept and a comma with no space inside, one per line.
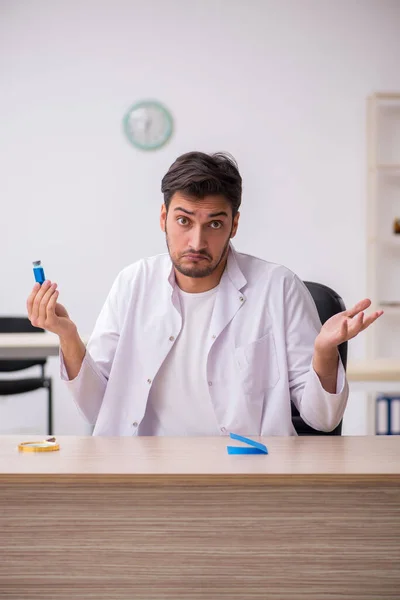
(198,233)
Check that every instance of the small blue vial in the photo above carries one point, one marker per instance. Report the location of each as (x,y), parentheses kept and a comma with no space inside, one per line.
(38,272)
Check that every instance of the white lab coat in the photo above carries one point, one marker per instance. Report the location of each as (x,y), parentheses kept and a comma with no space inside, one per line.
(260,348)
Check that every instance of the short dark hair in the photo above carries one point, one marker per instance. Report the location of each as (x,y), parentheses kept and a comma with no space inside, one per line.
(198,174)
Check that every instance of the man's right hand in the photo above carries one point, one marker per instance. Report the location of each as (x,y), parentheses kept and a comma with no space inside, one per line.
(45,312)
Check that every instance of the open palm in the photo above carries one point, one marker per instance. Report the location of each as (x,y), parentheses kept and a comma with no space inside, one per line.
(346,325)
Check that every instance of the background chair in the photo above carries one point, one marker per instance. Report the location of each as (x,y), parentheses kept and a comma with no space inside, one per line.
(328,303)
(9,387)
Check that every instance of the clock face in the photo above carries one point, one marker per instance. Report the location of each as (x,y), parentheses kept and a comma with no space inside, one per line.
(148,125)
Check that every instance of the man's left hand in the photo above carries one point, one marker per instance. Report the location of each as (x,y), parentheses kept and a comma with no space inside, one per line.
(345,325)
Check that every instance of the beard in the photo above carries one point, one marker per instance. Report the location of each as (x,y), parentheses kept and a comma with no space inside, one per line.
(197,271)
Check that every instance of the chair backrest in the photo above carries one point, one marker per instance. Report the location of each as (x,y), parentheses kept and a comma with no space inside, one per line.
(328,303)
(19,325)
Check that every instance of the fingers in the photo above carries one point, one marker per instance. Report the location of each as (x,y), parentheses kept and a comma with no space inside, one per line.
(372,318)
(51,306)
(354,325)
(43,294)
(44,302)
(31,297)
(37,300)
(357,308)
(344,329)
(358,323)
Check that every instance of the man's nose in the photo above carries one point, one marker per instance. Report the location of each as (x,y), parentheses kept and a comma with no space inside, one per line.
(197,239)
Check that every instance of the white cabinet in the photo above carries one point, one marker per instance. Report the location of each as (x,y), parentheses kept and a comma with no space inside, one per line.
(383,222)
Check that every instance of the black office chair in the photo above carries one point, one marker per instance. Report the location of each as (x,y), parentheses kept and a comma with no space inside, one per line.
(328,303)
(9,387)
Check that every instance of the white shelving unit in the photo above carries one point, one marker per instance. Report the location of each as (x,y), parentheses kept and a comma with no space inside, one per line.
(383,255)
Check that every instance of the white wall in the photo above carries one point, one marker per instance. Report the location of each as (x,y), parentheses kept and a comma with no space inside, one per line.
(280,84)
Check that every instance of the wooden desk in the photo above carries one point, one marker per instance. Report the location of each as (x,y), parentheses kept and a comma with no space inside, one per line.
(178,518)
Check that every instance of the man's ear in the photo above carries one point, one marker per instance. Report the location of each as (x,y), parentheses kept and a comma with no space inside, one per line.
(163,217)
(235,225)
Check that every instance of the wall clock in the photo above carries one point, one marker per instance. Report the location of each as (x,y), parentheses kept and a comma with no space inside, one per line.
(148,125)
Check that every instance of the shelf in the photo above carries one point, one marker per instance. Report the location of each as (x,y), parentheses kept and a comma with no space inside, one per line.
(387,96)
(389,309)
(391,242)
(383,208)
(386,169)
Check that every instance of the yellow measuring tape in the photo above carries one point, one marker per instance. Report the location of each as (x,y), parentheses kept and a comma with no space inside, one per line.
(48,445)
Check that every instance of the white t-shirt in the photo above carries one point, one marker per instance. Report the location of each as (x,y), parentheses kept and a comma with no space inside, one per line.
(179,401)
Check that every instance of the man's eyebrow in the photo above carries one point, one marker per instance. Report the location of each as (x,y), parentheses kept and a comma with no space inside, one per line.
(221,213)
(183,210)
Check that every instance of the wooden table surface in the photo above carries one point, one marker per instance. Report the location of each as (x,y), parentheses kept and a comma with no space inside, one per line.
(180,519)
(338,457)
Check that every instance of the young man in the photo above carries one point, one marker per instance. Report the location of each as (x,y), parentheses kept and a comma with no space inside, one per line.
(203,340)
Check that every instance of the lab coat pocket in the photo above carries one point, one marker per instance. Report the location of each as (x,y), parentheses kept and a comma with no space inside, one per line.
(258,364)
